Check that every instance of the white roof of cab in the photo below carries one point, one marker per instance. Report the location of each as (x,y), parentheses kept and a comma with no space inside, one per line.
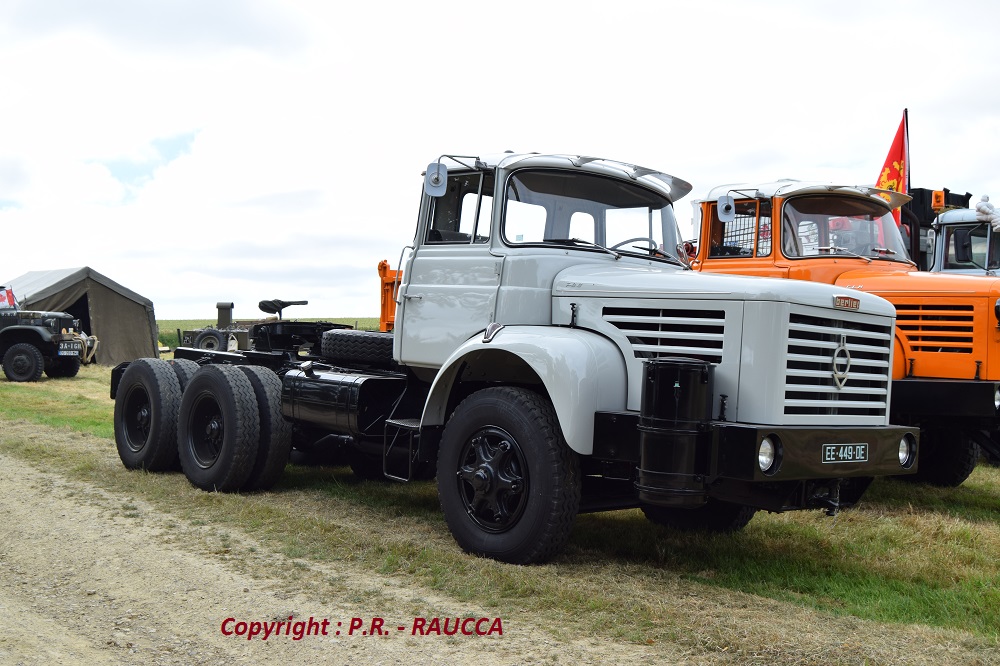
(672,187)
(788,186)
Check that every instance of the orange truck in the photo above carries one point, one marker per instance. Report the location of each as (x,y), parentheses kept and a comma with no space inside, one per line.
(946,367)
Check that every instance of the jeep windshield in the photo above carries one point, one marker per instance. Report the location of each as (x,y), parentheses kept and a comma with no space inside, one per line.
(821,226)
(590,212)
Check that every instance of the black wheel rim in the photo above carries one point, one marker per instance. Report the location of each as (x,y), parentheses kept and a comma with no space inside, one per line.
(22,365)
(493,479)
(138,414)
(206,430)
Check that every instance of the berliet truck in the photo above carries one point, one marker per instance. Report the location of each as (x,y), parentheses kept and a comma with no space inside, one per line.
(551,354)
(946,367)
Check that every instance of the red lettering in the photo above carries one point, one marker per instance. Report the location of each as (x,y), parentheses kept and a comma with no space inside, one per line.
(228,620)
(465,626)
(434,626)
(377,623)
(356,623)
(496,628)
(255,629)
(419,626)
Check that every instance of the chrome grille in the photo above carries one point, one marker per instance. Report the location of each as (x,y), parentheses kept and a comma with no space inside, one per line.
(810,384)
(937,328)
(658,332)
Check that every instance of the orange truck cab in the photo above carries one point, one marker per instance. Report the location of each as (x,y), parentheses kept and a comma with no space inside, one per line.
(946,368)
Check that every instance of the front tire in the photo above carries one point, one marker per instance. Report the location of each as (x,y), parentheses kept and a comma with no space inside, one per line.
(23,363)
(715,516)
(508,483)
(218,429)
(947,458)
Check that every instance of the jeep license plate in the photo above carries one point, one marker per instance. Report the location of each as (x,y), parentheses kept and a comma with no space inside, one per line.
(68,349)
(844,453)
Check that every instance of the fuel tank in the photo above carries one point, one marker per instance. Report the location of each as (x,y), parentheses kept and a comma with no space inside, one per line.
(342,403)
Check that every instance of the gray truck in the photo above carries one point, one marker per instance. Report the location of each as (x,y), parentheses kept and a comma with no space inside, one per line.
(552,354)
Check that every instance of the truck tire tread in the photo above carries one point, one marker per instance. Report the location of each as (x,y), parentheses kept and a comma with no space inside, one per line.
(350,346)
(145,416)
(218,429)
(275,445)
(551,476)
(23,362)
(715,516)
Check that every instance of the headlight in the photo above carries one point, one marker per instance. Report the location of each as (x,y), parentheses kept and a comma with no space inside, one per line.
(907,451)
(767,455)
(996,398)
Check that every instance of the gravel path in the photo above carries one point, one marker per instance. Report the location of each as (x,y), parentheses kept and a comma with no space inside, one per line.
(90,577)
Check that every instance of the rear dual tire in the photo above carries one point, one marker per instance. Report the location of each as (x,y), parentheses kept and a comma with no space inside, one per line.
(147,403)
(222,425)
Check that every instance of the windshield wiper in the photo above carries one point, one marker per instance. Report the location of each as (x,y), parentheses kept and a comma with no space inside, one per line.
(888,254)
(657,252)
(837,248)
(580,241)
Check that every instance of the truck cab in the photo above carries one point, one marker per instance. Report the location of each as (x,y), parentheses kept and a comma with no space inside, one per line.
(964,241)
(946,370)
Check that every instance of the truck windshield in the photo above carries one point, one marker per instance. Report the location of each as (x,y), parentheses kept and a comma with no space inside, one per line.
(549,206)
(814,226)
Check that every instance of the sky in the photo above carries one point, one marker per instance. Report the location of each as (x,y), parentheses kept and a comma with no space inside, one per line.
(205,151)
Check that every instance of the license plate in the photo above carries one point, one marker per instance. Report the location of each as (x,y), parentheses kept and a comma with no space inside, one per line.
(845,453)
(68,349)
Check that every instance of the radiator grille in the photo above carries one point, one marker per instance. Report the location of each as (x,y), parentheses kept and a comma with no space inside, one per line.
(658,332)
(815,344)
(937,328)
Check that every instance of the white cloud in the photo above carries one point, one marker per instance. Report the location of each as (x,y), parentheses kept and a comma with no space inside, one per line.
(306,124)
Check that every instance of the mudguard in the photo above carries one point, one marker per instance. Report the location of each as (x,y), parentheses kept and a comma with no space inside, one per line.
(583,373)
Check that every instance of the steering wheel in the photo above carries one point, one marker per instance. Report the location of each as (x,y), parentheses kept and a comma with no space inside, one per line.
(652,243)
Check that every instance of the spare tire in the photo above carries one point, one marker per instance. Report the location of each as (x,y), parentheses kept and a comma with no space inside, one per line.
(364,347)
(211,339)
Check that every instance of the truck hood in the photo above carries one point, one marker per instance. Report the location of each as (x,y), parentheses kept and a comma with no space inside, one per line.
(920,283)
(630,281)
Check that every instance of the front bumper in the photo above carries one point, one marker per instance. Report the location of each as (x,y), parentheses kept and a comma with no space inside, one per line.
(804,452)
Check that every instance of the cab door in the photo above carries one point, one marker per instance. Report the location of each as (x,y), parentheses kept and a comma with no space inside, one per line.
(449,288)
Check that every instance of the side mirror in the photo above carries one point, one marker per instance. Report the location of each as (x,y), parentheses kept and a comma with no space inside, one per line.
(963,246)
(727,208)
(435,179)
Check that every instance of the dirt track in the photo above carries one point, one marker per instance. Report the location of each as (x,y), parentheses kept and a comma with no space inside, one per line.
(87,577)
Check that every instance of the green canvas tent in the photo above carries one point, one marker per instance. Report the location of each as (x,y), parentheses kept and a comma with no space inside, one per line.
(122,320)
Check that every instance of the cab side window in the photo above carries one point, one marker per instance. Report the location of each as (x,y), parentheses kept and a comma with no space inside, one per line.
(462,215)
(745,236)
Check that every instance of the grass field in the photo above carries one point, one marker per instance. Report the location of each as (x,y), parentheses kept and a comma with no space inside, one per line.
(912,559)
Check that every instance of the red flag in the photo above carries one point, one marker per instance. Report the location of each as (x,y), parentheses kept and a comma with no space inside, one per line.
(895,174)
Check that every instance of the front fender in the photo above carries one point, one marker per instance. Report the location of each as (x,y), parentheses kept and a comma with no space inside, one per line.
(582,372)
(26,333)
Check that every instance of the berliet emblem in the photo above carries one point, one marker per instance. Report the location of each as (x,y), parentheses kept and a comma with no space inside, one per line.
(847,302)
(841,362)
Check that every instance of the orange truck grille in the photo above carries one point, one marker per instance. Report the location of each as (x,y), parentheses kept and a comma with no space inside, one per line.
(937,328)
